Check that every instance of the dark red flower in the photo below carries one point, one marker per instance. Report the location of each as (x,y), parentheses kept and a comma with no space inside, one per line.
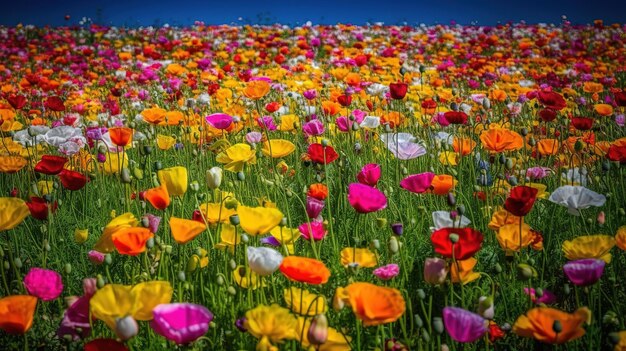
(551,100)
(39,208)
(620,98)
(547,115)
(272,107)
(16,101)
(50,164)
(344,100)
(582,123)
(398,90)
(105,345)
(455,117)
(617,153)
(322,154)
(520,200)
(213,88)
(468,243)
(54,103)
(429,104)
(72,180)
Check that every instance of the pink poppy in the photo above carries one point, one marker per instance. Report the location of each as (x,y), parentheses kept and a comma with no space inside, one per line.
(313,128)
(219,120)
(365,199)
(181,322)
(314,229)
(418,183)
(387,272)
(369,175)
(43,283)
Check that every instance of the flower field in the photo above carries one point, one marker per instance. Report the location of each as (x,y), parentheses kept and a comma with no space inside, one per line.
(318,187)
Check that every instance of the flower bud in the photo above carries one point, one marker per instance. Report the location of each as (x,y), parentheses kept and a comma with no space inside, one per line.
(454,238)
(397,228)
(525,271)
(234,219)
(557,327)
(438,325)
(126,328)
(214,177)
(241,176)
(318,330)
(485,307)
(80,235)
(394,245)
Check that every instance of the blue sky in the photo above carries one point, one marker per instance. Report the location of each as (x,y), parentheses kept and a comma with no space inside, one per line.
(185,12)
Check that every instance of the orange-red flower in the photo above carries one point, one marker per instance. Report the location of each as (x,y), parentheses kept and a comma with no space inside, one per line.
(305,270)
(158,197)
(538,324)
(121,136)
(373,304)
(184,230)
(16,313)
(131,241)
(500,139)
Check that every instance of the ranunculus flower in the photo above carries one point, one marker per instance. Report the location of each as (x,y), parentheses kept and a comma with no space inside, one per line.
(365,199)
(584,272)
(263,260)
(463,325)
(369,174)
(43,283)
(181,322)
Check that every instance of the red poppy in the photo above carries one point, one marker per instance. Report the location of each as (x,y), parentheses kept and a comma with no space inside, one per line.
(551,100)
(620,98)
(468,243)
(54,103)
(344,100)
(429,104)
(272,107)
(121,136)
(105,345)
(520,200)
(398,90)
(17,101)
(582,123)
(213,88)
(39,208)
(617,153)
(547,115)
(72,180)
(455,117)
(495,332)
(322,154)
(50,164)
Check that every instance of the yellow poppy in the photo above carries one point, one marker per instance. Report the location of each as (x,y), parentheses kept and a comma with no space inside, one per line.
(466,269)
(278,148)
(304,302)
(363,257)
(12,164)
(229,238)
(247,279)
(502,217)
(13,211)
(288,123)
(448,158)
(214,213)
(270,324)
(185,230)
(45,187)
(286,236)
(589,246)
(509,236)
(165,142)
(258,220)
(175,179)
(236,156)
(113,162)
(105,243)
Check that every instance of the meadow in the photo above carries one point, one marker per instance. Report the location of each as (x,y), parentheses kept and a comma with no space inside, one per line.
(318,187)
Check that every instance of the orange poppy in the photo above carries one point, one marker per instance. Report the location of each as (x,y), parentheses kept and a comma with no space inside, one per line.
(131,241)
(464,273)
(500,139)
(256,89)
(153,115)
(330,108)
(305,270)
(184,230)
(548,147)
(463,146)
(538,324)
(16,313)
(12,164)
(158,197)
(373,304)
(318,191)
(121,136)
(603,109)
(442,184)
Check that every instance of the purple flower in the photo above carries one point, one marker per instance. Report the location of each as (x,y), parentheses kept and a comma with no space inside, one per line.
(620,119)
(153,222)
(181,322)
(397,228)
(241,324)
(387,272)
(310,94)
(547,297)
(584,272)
(462,325)
(219,120)
(43,283)
(313,128)
(314,206)
(537,172)
(266,122)
(270,240)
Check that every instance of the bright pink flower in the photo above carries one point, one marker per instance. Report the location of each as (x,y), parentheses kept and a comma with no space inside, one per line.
(314,229)
(219,120)
(181,322)
(369,175)
(387,272)
(365,199)
(43,283)
(418,183)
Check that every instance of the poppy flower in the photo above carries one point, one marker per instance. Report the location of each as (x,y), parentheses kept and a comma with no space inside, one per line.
(155,115)
(165,142)
(312,230)
(121,136)
(175,179)
(258,220)
(369,174)
(16,101)
(12,164)
(270,324)
(552,100)
(463,146)
(538,324)
(548,147)
(272,107)
(45,284)
(508,236)
(256,89)
(105,243)
(277,148)
(305,270)
(236,157)
(131,241)
(158,197)
(318,191)
(620,98)
(617,153)
(435,270)
(50,164)
(314,207)
(468,242)
(54,103)
(455,117)
(547,115)
(442,184)
(463,271)
(72,180)
(603,109)
(520,200)
(335,340)
(589,246)
(463,325)
(576,198)
(363,257)
(397,91)
(16,313)
(582,123)
(246,278)
(366,199)
(499,140)
(185,230)
(181,323)
(387,272)
(322,154)
(105,345)
(263,260)
(373,304)
(584,272)
(219,120)
(344,100)
(13,211)
(40,208)
(304,302)
(418,183)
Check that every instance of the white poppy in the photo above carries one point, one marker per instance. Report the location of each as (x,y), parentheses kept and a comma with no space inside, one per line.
(575,175)
(442,219)
(263,260)
(388,138)
(370,122)
(406,150)
(576,198)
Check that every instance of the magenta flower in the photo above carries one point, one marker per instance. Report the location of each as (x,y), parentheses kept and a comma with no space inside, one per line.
(463,325)
(43,283)
(313,128)
(418,183)
(584,272)
(535,173)
(75,322)
(365,199)
(266,122)
(343,123)
(387,272)
(314,206)
(310,94)
(219,120)
(369,175)
(547,298)
(181,322)
(314,229)
(95,257)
